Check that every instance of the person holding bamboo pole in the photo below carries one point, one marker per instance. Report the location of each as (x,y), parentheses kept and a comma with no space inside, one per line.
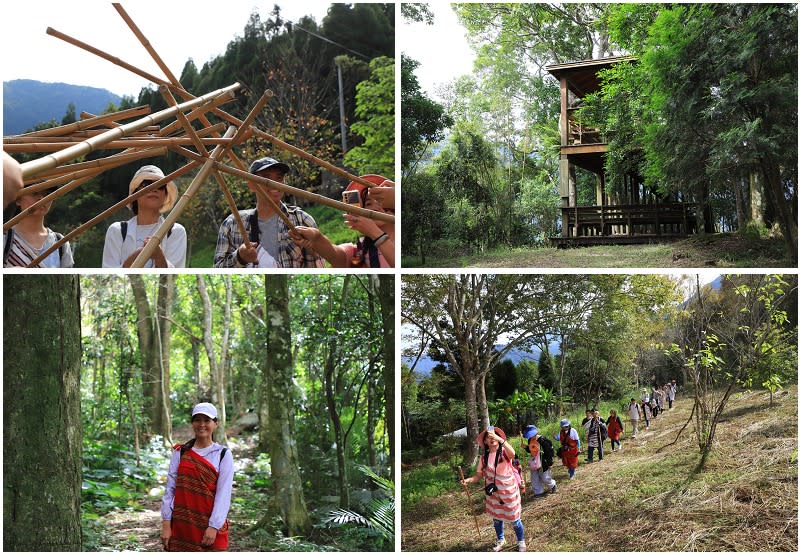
(29,237)
(270,244)
(374,249)
(503,501)
(125,240)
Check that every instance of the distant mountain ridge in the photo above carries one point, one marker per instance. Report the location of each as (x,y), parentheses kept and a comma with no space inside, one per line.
(426,364)
(27,103)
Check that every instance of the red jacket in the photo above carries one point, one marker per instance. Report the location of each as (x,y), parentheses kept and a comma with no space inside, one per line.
(614,428)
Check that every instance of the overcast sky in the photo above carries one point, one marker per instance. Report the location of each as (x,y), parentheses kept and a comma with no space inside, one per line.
(441,49)
(177,30)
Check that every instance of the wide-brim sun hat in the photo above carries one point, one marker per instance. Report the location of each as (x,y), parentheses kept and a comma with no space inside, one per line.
(529,432)
(497,430)
(154,173)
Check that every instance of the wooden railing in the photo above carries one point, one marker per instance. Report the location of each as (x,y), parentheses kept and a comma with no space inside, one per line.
(617,220)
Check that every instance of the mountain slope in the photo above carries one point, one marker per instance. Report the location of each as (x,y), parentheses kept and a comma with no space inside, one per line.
(647,497)
(27,103)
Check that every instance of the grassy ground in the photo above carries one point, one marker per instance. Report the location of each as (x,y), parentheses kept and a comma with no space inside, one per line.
(717,250)
(646,497)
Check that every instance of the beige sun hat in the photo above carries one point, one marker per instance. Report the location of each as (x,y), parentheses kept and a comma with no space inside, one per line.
(154,173)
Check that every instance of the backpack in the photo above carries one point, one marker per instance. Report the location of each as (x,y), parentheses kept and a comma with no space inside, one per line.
(546,452)
(10,238)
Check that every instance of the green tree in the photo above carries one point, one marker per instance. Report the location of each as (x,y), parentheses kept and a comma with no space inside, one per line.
(375,110)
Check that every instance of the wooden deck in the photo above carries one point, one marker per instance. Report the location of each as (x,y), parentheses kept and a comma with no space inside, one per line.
(625,223)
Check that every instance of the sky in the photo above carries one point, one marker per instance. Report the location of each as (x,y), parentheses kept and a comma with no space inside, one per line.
(176,30)
(442,49)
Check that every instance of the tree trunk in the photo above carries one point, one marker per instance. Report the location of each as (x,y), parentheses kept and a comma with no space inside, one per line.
(166,294)
(148,348)
(774,187)
(386,299)
(472,421)
(213,364)
(371,409)
(739,193)
(279,374)
(42,414)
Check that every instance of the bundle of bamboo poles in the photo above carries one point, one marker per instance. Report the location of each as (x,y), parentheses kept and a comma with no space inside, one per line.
(145,138)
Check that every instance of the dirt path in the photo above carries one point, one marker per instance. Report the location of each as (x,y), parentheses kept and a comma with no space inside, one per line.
(135,529)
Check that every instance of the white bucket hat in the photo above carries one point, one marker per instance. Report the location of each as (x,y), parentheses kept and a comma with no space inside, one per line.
(154,173)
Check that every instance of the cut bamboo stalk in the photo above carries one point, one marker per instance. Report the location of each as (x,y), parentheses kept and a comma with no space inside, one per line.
(119,144)
(146,43)
(37,166)
(313,197)
(97,52)
(88,124)
(180,206)
(108,212)
(100,162)
(52,197)
(189,130)
(176,86)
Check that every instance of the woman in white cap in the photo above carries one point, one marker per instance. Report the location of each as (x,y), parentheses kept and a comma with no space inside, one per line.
(198,493)
(125,240)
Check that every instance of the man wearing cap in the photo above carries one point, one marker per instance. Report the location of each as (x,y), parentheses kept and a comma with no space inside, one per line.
(125,240)
(270,244)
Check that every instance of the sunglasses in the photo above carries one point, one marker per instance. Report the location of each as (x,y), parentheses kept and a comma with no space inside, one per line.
(145,183)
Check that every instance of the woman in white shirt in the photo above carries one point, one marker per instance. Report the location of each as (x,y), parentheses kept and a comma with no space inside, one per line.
(29,238)
(197,498)
(125,240)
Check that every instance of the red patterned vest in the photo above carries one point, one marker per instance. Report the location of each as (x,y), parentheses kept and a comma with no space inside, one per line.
(193,504)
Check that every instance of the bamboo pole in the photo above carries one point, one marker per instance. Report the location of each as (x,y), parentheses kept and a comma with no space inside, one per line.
(313,197)
(78,178)
(35,167)
(87,124)
(114,208)
(172,217)
(101,162)
(119,144)
(175,84)
(469,502)
(189,130)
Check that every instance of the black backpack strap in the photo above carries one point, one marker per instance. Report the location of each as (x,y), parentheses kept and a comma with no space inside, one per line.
(252,220)
(222,455)
(59,237)
(123,228)
(7,246)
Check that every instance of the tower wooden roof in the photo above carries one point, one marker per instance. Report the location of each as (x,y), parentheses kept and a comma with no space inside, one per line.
(582,76)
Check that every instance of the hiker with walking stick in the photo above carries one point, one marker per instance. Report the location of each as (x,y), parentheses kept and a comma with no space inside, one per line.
(503,502)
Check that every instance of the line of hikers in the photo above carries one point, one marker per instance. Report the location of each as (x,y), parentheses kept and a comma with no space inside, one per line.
(502,472)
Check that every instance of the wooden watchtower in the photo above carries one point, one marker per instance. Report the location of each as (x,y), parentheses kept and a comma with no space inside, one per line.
(630,214)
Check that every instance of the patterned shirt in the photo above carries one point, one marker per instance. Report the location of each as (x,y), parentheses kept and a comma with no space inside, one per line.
(289,256)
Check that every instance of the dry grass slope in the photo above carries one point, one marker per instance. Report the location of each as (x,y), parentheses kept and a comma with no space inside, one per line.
(648,497)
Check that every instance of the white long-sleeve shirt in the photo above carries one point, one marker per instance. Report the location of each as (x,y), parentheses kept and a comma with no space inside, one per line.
(115,251)
(222,497)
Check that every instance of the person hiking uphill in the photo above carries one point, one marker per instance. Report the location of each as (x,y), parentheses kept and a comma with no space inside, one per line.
(503,502)
(615,429)
(570,447)
(596,433)
(634,414)
(541,450)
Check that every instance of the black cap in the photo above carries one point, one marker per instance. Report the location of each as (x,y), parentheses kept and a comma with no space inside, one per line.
(267,162)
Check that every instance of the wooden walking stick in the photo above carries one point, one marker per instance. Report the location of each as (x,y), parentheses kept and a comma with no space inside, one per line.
(469,500)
